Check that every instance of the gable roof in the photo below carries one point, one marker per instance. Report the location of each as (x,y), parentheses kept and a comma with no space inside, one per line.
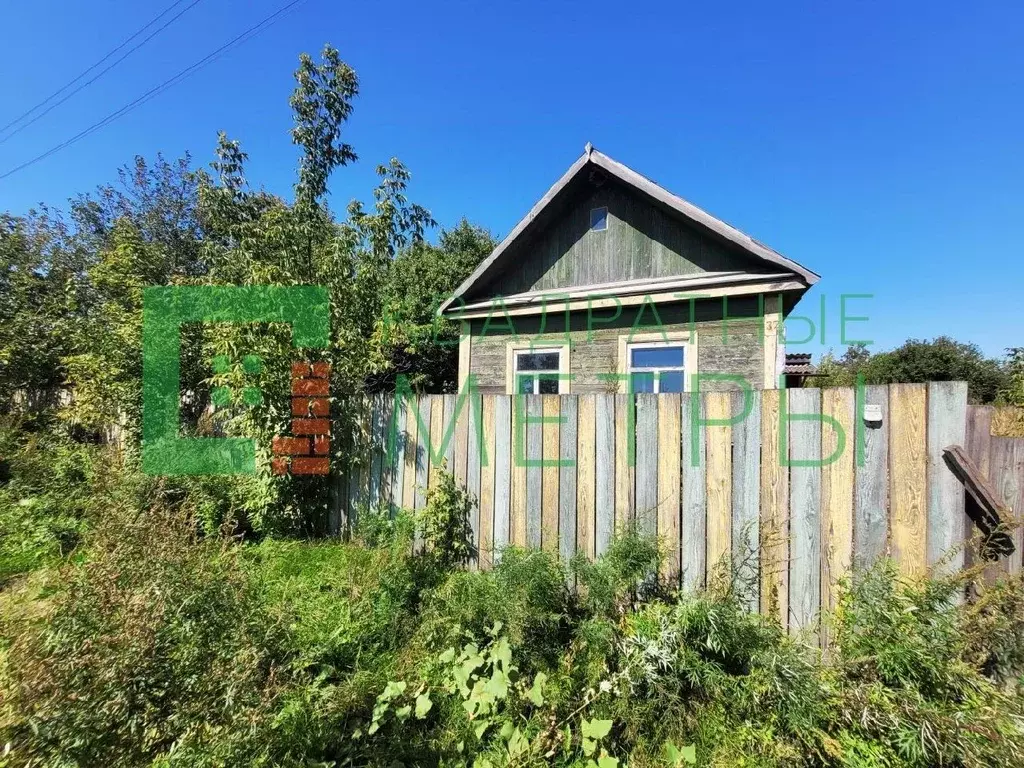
(592,159)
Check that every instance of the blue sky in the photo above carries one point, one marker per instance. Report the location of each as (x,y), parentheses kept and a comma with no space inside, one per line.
(878,143)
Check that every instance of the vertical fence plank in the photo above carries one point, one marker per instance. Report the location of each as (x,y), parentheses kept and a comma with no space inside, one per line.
(474,448)
(585,475)
(423,447)
(534,469)
(1007,467)
(804,509)
(871,491)
(502,472)
(376,456)
(693,515)
(774,513)
(567,478)
(447,431)
(647,463)
(947,425)
(624,459)
(604,471)
(837,481)
(746,495)
(719,479)
(387,467)
(410,447)
(549,512)
(669,501)
(908,462)
(436,438)
(463,416)
(365,449)
(517,515)
(487,481)
(396,450)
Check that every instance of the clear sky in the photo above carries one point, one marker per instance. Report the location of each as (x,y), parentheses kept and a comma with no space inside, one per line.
(878,143)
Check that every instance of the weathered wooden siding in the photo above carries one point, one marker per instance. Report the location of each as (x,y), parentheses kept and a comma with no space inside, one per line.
(732,345)
(641,241)
(777,478)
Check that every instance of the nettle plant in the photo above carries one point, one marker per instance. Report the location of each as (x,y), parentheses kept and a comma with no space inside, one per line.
(501,707)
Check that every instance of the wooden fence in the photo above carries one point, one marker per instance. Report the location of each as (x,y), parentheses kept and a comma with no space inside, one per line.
(800,488)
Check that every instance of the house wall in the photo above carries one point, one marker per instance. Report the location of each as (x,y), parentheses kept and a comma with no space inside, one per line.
(594,342)
(641,242)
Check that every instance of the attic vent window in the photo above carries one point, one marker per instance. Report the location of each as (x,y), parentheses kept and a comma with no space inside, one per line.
(598,219)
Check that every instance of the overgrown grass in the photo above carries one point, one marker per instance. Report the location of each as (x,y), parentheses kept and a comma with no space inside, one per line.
(158,645)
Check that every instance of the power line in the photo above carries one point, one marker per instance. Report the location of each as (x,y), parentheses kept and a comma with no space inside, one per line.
(156,91)
(85,72)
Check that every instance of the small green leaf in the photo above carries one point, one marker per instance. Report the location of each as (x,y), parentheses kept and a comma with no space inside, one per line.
(607,761)
(535,694)
(402,713)
(423,705)
(480,729)
(596,729)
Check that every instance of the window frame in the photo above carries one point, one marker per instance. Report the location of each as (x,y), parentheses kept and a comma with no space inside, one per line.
(599,208)
(512,353)
(684,339)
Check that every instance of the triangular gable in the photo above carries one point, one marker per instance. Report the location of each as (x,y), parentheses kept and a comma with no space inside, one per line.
(701,220)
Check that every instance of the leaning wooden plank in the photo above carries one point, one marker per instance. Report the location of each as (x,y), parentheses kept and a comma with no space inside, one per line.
(647,463)
(487,481)
(669,500)
(909,476)
(693,515)
(474,448)
(604,471)
(719,480)
(585,475)
(365,449)
(502,473)
(947,417)
(567,478)
(746,496)
(549,503)
(989,508)
(534,470)
(411,448)
(871,481)
(837,483)
(625,458)
(774,512)
(520,460)
(804,510)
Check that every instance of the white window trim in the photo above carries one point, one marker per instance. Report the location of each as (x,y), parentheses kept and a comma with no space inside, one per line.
(599,208)
(510,364)
(658,339)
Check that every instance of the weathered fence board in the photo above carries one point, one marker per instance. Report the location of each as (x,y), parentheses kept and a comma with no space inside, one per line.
(604,471)
(534,469)
(871,486)
(693,516)
(585,476)
(669,438)
(946,425)
(567,479)
(746,494)
(804,509)
(796,488)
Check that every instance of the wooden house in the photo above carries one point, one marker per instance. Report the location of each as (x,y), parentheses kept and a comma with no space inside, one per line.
(612,283)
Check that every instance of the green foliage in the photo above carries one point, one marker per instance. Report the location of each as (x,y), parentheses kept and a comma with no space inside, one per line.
(941,359)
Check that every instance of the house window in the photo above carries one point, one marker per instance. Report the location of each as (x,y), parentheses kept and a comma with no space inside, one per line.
(598,219)
(537,371)
(656,367)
